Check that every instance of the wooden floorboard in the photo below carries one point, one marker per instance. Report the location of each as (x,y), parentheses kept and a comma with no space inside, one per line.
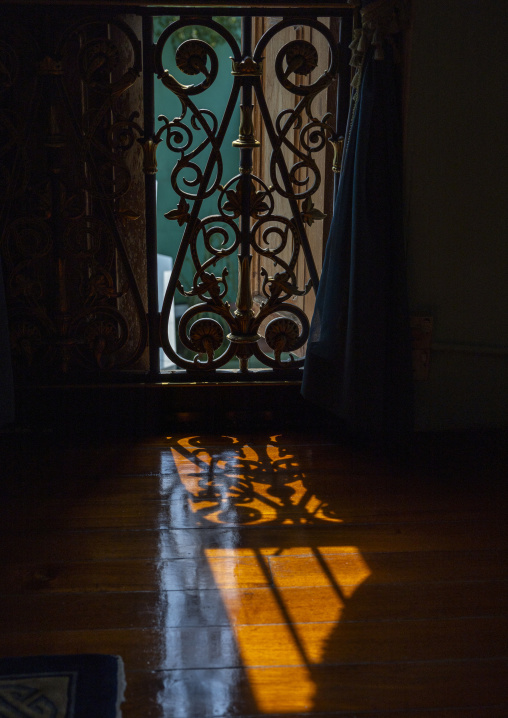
(143,609)
(264,574)
(468,534)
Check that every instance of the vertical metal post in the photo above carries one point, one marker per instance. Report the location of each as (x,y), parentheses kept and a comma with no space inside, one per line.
(344,82)
(246,142)
(246,152)
(151,201)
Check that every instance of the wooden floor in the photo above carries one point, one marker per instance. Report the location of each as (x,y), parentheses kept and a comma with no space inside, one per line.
(262,574)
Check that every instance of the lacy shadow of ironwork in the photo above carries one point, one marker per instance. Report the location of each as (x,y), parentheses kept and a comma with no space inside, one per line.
(247,484)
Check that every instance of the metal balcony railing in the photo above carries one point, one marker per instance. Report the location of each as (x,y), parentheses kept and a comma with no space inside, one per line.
(80,147)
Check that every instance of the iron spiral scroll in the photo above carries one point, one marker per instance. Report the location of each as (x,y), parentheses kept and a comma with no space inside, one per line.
(246,222)
(70,217)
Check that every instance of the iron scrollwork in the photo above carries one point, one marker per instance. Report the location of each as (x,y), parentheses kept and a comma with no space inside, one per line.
(74,300)
(246,222)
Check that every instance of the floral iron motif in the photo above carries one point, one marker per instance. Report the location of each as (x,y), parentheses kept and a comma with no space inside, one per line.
(246,221)
(74,299)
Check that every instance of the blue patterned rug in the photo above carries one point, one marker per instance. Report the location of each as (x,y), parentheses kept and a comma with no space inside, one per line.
(86,686)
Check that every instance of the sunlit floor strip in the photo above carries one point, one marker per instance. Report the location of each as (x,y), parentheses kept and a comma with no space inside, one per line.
(245,486)
(284,641)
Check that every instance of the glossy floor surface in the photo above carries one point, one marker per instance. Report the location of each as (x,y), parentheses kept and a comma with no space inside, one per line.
(264,574)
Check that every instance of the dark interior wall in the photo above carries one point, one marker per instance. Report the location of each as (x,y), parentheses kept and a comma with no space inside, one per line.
(456,178)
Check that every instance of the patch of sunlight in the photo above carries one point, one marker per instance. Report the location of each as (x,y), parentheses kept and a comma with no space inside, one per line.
(244,485)
(278,625)
(235,572)
(188,472)
(349,571)
(187,442)
(273,452)
(283,602)
(249,454)
(289,551)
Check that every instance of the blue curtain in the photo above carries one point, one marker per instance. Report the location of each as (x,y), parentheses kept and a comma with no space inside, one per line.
(358,361)
(6,380)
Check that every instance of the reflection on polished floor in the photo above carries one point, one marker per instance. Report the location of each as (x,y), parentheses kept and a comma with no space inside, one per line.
(264,574)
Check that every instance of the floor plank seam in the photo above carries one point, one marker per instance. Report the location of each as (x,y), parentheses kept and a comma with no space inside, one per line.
(292,666)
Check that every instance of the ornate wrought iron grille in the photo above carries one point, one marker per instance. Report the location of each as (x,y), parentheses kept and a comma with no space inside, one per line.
(247,222)
(78,159)
(71,220)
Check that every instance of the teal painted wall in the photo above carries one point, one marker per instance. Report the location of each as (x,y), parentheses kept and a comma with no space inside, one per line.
(168,232)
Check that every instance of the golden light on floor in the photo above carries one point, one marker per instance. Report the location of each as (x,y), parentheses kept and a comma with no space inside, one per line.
(285,640)
(267,590)
(247,485)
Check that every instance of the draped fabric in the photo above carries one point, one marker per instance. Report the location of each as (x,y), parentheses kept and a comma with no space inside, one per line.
(6,380)
(358,361)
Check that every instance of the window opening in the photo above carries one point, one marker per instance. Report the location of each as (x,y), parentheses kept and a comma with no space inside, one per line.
(242,117)
(167,106)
